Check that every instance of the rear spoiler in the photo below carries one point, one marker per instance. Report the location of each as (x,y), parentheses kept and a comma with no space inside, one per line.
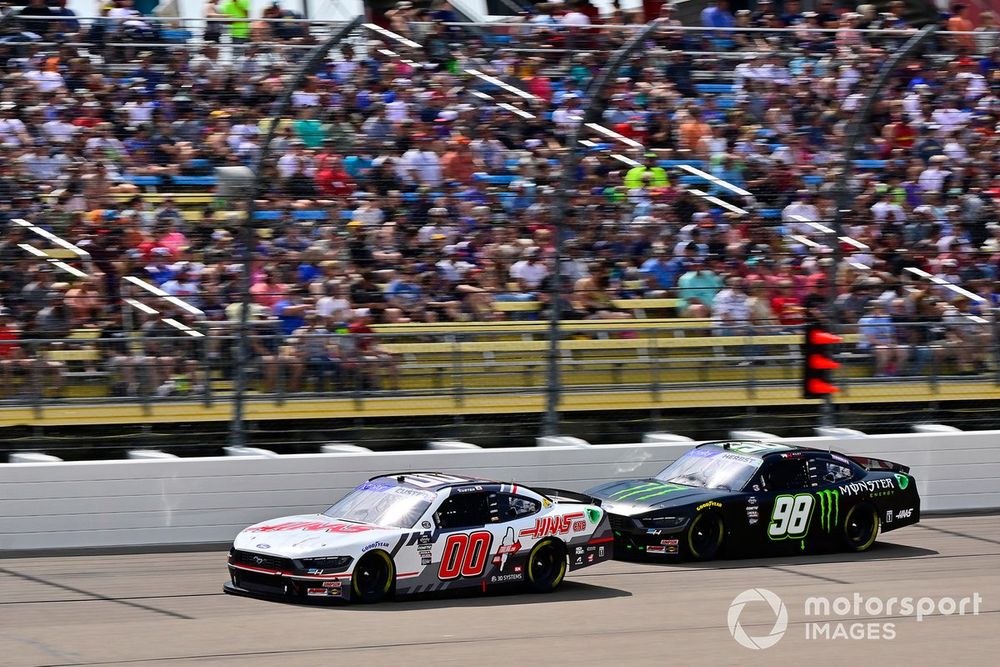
(562,496)
(879,464)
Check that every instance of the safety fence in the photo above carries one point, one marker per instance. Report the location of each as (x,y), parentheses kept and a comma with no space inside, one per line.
(151,364)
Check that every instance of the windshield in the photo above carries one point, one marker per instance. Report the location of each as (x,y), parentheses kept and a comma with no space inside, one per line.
(382,505)
(711,468)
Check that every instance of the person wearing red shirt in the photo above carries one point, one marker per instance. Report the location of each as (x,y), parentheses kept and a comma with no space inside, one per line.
(457,164)
(11,354)
(331,178)
(786,306)
(898,132)
(91,116)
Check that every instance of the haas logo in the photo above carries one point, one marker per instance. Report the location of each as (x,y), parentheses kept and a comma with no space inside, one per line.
(552,525)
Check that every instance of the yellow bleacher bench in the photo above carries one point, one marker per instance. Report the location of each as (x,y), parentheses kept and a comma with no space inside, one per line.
(517,306)
(72,355)
(85,334)
(646,304)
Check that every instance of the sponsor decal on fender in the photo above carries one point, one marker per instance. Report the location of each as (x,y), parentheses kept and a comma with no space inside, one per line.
(508,547)
(553,525)
(656,549)
(829,509)
(904,514)
(504,578)
(312,526)
(873,486)
(376,545)
(710,503)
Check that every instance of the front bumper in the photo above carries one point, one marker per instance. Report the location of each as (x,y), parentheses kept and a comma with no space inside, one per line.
(634,542)
(270,584)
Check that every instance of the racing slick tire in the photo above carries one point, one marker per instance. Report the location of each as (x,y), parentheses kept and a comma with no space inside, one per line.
(374,578)
(546,566)
(861,527)
(703,537)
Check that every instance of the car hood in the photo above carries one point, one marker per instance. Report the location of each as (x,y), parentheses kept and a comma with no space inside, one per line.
(635,496)
(314,535)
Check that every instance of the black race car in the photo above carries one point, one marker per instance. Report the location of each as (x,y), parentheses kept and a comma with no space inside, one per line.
(758,498)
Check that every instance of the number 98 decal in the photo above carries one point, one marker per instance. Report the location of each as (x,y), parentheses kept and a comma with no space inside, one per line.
(790,517)
(465,555)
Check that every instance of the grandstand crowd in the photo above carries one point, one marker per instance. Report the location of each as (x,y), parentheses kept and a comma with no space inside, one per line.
(402,189)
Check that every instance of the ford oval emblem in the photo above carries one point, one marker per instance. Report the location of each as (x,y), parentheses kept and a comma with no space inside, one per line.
(263,546)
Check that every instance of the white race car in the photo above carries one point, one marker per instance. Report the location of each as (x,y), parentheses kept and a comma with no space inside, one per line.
(421,532)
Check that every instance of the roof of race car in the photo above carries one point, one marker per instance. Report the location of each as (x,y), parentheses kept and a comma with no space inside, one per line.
(760,448)
(432,481)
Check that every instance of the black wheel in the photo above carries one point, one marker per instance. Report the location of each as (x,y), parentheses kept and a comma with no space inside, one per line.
(374,577)
(860,528)
(704,536)
(546,566)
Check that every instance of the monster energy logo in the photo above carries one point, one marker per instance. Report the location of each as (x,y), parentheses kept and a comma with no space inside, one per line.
(829,509)
(646,491)
(902,480)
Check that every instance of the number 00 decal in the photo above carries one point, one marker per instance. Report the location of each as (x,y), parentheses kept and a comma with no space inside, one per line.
(465,555)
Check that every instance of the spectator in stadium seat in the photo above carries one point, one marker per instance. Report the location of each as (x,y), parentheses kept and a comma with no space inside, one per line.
(239,12)
(377,366)
(85,302)
(316,352)
(717,15)
(277,353)
(878,335)
(958,22)
(13,359)
(595,295)
(529,271)
(646,175)
(697,288)
(731,308)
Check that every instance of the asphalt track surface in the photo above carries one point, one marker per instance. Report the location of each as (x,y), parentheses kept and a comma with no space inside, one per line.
(168,609)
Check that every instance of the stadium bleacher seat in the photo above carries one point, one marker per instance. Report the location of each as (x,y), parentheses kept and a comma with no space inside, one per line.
(144,181)
(714,88)
(195,181)
(870,164)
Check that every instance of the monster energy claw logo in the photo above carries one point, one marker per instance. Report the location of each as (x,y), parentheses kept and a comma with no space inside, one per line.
(902,480)
(646,491)
(829,509)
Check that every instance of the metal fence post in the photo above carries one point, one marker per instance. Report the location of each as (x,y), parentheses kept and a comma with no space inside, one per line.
(236,433)
(567,181)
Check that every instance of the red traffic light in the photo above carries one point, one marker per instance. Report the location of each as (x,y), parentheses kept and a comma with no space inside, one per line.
(820,337)
(817,386)
(820,363)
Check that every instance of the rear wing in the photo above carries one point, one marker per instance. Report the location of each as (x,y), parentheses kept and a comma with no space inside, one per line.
(562,496)
(879,464)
